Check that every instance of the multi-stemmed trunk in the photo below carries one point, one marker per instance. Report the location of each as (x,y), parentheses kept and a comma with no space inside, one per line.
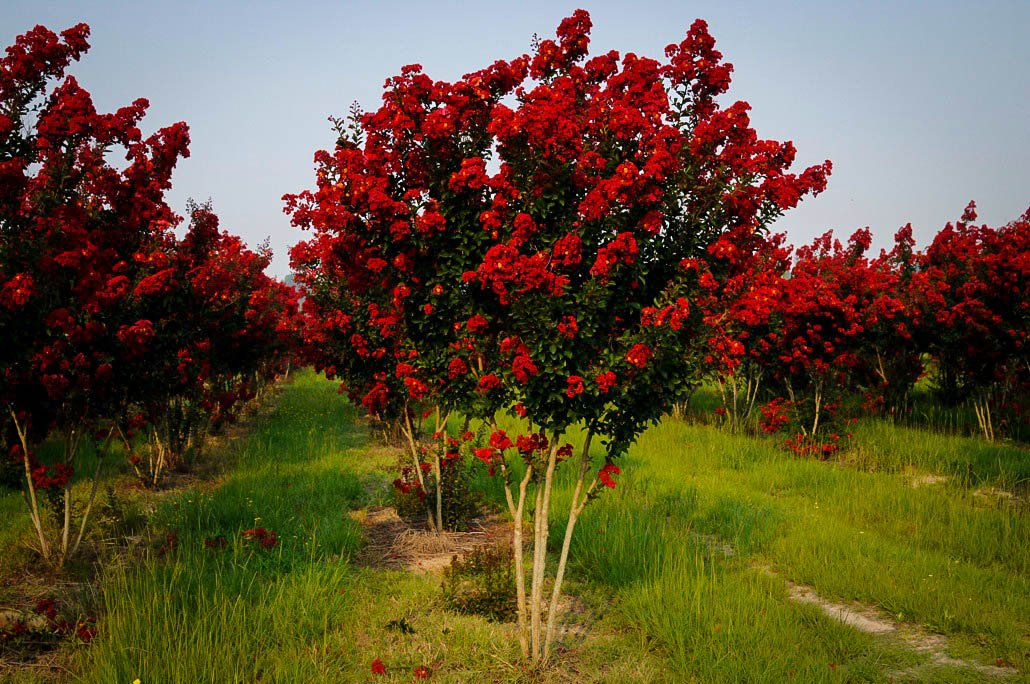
(741,396)
(434,513)
(66,547)
(536,635)
(982,408)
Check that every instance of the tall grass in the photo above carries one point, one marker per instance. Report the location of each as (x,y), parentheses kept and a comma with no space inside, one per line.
(684,562)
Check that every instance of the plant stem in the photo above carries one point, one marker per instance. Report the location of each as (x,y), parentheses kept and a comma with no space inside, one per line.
(574,510)
(543,501)
(517,512)
(30,499)
(71,449)
(101,454)
(409,433)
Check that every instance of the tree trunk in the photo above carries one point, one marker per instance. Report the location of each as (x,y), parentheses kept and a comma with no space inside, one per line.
(409,433)
(543,502)
(575,508)
(30,498)
(517,512)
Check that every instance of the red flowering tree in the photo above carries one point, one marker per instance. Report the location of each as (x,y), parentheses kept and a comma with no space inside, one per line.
(73,230)
(973,283)
(837,323)
(740,312)
(890,354)
(112,322)
(223,329)
(543,228)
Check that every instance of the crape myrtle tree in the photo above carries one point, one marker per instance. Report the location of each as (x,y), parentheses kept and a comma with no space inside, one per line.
(839,323)
(383,274)
(354,338)
(73,230)
(223,329)
(739,312)
(891,360)
(110,321)
(972,300)
(543,227)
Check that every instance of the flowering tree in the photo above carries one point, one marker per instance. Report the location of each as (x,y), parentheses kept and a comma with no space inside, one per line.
(972,284)
(542,227)
(72,232)
(222,329)
(740,312)
(890,354)
(111,322)
(840,322)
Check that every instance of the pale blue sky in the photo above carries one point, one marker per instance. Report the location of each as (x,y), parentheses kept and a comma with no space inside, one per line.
(921,106)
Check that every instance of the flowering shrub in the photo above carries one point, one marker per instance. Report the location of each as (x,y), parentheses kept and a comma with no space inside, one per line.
(458,503)
(482,583)
(42,628)
(532,239)
(971,298)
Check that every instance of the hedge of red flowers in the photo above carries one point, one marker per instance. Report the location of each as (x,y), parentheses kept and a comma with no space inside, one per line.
(113,324)
(830,323)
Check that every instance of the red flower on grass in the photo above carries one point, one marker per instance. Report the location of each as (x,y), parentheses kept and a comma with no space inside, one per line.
(266,538)
(377,667)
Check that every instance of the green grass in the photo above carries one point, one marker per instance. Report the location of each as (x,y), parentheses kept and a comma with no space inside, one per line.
(680,569)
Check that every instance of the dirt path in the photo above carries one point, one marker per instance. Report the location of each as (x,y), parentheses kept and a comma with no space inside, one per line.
(873,620)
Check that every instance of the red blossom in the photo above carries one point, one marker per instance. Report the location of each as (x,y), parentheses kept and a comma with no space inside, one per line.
(523,368)
(639,355)
(606,381)
(489,382)
(605,475)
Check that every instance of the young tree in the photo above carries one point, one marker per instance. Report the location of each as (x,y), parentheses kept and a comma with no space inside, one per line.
(223,329)
(544,227)
(972,284)
(73,231)
(740,313)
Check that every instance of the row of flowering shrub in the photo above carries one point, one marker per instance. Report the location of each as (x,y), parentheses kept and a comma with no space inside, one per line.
(532,239)
(116,329)
(814,332)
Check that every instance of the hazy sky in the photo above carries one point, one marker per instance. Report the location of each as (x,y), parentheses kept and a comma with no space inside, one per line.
(920,106)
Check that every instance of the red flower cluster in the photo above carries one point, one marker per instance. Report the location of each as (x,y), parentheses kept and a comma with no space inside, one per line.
(607,473)
(85,629)
(56,476)
(575,386)
(638,355)
(266,539)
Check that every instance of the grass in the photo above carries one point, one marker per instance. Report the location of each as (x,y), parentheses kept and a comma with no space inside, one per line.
(679,572)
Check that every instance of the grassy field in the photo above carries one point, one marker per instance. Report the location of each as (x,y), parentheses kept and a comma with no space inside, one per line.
(687,571)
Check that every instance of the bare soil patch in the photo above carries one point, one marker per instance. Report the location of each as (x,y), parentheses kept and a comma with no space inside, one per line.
(395,544)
